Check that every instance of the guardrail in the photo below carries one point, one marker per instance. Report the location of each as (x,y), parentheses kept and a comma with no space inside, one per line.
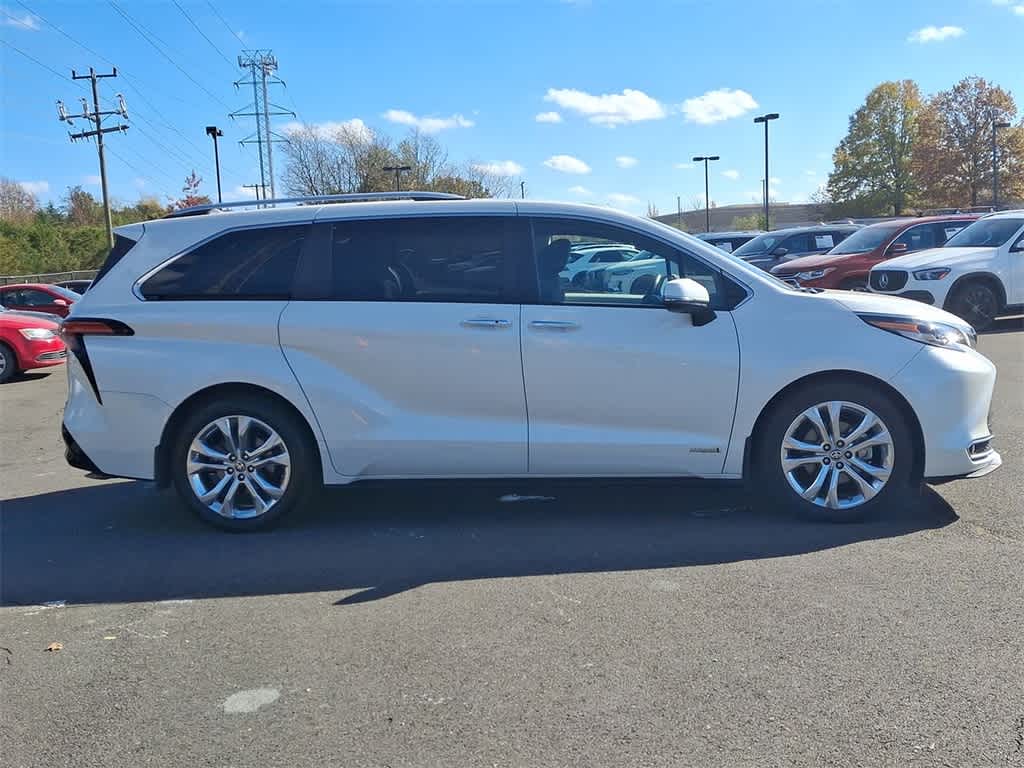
(50,277)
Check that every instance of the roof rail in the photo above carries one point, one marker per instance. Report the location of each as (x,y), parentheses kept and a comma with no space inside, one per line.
(355,197)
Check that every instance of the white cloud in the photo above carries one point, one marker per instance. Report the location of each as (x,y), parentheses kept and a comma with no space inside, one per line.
(622,201)
(684,166)
(330,128)
(548,117)
(23,21)
(500,168)
(1001,2)
(715,106)
(245,193)
(35,187)
(732,173)
(935,34)
(427,124)
(630,106)
(625,161)
(579,190)
(567,164)
(810,173)
(1019,10)
(91,181)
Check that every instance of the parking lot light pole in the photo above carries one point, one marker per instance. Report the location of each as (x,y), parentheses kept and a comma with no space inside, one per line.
(214,133)
(996,125)
(398,174)
(767,179)
(707,197)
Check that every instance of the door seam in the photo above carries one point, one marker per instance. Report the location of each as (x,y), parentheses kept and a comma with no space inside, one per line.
(522,373)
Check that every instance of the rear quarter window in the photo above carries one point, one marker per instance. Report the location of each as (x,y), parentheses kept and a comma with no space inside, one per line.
(245,264)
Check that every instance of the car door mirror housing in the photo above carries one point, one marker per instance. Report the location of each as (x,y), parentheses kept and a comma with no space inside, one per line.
(60,303)
(780,251)
(688,297)
(897,248)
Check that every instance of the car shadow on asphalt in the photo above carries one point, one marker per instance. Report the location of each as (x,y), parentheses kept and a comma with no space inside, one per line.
(128,542)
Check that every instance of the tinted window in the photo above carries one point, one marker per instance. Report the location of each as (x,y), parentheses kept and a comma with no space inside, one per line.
(823,242)
(33,298)
(121,247)
(798,244)
(866,239)
(249,263)
(945,231)
(451,259)
(918,238)
(985,232)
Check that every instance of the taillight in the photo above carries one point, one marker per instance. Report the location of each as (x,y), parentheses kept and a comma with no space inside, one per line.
(74,331)
(94,327)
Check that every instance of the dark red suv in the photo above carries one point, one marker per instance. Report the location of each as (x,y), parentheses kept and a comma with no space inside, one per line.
(847,265)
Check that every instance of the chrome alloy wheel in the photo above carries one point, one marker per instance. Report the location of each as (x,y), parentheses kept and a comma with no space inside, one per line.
(238,467)
(837,455)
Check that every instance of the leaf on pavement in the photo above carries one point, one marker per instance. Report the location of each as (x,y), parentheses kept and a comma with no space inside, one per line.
(55,646)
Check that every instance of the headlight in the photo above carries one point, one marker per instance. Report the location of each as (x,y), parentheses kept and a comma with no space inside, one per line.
(813,274)
(936,273)
(925,331)
(37,334)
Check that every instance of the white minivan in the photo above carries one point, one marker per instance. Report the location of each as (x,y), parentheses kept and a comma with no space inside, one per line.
(246,357)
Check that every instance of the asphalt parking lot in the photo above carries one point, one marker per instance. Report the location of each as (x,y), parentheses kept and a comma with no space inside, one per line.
(615,624)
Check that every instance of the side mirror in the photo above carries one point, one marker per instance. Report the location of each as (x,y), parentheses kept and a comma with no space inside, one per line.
(61,303)
(897,248)
(780,251)
(688,297)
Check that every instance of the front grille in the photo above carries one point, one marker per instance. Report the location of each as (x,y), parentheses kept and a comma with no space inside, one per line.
(888,279)
(59,355)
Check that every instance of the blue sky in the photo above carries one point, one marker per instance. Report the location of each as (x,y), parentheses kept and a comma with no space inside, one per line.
(638,88)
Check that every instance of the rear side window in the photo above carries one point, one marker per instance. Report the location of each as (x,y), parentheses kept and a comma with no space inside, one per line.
(246,264)
(444,259)
(121,247)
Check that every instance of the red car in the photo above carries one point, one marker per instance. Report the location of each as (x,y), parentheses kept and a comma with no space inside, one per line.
(28,342)
(38,297)
(847,265)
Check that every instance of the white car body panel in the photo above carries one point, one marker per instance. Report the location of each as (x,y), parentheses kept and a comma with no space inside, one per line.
(404,389)
(650,393)
(410,388)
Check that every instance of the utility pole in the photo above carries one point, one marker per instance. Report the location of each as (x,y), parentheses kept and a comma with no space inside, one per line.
(522,190)
(398,174)
(996,125)
(707,194)
(261,65)
(96,118)
(255,187)
(679,213)
(214,132)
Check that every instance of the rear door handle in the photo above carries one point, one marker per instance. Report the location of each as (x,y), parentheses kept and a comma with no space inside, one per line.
(554,325)
(486,322)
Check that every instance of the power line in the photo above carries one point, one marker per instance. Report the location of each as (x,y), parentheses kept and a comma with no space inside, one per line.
(149,38)
(228,26)
(33,59)
(197,29)
(160,188)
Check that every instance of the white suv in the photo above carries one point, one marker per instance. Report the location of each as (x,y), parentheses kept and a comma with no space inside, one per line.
(978,274)
(246,357)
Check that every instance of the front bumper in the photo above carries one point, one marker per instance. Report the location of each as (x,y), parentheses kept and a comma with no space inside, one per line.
(950,391)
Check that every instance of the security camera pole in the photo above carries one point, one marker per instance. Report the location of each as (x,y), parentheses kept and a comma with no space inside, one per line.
(767,179)
(214,132)
(398,174)
(707,194)
(996,125)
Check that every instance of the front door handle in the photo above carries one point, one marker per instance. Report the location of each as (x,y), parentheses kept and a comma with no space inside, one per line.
(554,325)
(486,322)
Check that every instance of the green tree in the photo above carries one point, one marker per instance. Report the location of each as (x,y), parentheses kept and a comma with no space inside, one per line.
(873,163)
(81,208)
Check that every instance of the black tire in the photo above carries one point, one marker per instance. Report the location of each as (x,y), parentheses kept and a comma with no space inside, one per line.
(8,364)
(977,302)
(771,484)
(305,474)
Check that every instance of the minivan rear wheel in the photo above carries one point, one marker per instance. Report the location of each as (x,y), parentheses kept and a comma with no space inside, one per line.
(242,463)
(835,450)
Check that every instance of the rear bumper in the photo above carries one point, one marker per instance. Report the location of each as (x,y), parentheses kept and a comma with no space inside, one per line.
(74,455)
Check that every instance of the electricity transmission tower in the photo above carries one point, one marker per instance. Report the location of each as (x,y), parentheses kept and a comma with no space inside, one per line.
(261,65)
(96,118)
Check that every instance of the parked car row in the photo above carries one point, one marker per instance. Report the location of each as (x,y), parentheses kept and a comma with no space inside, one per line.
(28,340)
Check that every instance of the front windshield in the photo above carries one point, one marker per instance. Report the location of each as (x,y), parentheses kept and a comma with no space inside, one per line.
(760,244)
(866,239)
(990,232)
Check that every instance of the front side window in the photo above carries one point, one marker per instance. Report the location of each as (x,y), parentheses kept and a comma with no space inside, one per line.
(824,242)
(442,259)
(798,244)
(248,263)
(760,244)
(34,298)
(985,232)
(636,282)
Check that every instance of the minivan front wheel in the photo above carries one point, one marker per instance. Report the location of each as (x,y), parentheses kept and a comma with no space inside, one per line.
(837,451)
(242,463)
